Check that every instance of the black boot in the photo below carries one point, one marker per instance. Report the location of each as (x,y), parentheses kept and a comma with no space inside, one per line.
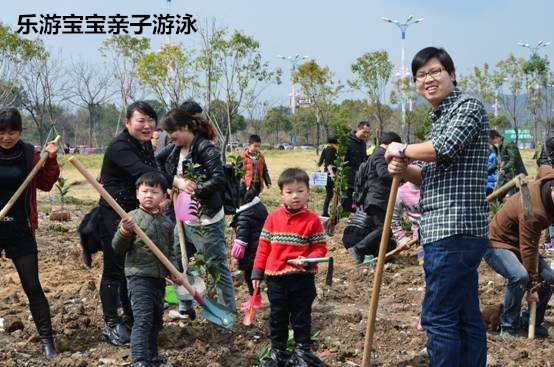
(48,348)
(277,358)
(302,356)
(116,333)
(43,323)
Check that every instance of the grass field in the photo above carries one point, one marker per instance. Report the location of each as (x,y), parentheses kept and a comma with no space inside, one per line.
(277,161)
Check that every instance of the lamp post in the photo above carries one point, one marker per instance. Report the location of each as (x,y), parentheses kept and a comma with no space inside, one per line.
(294,61)
(534,49)
(403,72)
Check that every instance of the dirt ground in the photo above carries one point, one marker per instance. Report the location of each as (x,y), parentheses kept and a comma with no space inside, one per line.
(339,313)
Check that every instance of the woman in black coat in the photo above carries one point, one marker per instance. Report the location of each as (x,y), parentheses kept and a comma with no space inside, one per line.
(128,156)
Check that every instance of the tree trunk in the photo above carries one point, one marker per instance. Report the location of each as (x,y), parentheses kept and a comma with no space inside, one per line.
(318,128)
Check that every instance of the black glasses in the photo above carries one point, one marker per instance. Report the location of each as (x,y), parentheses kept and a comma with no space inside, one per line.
(433,73)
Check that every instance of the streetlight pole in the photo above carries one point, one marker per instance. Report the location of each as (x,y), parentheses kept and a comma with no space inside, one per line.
(534,90)
(534,49)
(294,61)
(403,72)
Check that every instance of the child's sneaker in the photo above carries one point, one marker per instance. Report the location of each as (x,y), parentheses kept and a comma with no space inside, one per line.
(302,356)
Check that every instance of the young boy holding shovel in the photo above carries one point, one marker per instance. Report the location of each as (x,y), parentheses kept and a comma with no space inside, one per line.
(145,273)
(291,234)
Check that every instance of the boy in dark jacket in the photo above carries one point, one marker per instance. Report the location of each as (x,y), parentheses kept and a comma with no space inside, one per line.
(145,273)
(291,233)
(372,194)
(248,223)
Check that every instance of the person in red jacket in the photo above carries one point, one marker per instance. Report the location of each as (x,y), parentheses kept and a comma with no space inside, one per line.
(17,228)
(290,232)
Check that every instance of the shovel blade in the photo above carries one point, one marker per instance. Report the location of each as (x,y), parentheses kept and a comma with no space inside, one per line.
(217,314)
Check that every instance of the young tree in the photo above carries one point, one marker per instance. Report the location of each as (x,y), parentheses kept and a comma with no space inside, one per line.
(91,87)
(509,80)
(43,87)
(15,53)
(536,71)
(317,84)
(243,71)
(372,72)
(168,73)
(277,119)
(122,53)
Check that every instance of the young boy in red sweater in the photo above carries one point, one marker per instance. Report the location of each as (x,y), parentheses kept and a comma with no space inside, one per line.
(291,232)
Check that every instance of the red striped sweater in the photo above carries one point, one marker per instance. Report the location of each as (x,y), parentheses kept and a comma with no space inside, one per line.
(286,236)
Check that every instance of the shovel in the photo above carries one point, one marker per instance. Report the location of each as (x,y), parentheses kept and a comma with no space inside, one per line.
(317,260)
(212,311)
(377,278)
(249,314)
(20,189)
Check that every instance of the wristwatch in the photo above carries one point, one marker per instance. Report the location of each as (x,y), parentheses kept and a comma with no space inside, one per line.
(402,150)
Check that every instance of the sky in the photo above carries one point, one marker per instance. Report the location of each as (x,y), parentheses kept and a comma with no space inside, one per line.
(334,33)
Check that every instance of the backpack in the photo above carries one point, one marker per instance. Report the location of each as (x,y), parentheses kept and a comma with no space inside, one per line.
(231,193)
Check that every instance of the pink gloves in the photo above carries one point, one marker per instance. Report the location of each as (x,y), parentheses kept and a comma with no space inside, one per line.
(239,247)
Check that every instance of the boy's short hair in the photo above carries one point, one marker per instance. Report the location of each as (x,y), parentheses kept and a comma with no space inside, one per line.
(332,139)
(363,124)
(494,134)
(254,139)
(291,175)
(152,179)
(10,118)
(388,137)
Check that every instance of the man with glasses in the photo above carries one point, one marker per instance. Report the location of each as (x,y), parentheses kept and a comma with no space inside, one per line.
(451,167)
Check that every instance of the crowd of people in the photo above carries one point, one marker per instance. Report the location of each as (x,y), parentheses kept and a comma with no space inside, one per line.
(443,198)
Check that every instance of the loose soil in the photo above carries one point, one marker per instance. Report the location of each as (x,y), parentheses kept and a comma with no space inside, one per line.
(339,315)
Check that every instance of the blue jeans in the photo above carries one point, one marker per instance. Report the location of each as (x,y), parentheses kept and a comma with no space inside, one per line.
(210,240)
(450,313)
(146,296)
(507,264)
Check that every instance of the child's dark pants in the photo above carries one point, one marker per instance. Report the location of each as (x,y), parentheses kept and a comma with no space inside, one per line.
(291,297)
(146,295)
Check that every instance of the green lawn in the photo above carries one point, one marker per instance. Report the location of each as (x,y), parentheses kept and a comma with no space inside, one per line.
(277,161)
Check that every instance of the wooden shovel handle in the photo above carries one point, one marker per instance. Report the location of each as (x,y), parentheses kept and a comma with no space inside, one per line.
(399,249)
(23,186)
(532,320)
(119,210)
(377,277)
(181,235)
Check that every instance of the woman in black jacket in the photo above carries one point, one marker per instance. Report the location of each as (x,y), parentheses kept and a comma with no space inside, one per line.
(128,156)
(195,163)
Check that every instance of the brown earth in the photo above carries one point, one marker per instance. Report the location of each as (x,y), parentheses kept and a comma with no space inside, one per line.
(339,315)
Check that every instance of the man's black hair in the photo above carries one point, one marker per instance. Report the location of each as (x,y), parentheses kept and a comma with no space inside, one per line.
(362,124)
(388,137)
(191,107)
(152,179)
(428,53)
(254,139)
(494,134)
(332,139)
(291,175)
(142,107)
(10,118)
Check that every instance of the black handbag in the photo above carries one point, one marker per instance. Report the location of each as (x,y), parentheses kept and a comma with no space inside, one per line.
(356,229)
(89,230)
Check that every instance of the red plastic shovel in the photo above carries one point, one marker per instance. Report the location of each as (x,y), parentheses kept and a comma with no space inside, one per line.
(249,314)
